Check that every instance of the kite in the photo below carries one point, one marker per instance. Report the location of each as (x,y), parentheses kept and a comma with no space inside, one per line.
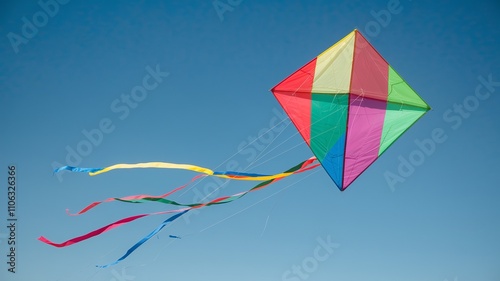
(348,104)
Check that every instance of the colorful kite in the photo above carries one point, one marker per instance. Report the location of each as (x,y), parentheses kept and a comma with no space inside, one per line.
(348,104)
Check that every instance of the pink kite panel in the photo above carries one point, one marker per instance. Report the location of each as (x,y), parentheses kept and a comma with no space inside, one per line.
(365,124)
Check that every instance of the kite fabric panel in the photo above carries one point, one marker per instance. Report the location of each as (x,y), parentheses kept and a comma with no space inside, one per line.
(349,105)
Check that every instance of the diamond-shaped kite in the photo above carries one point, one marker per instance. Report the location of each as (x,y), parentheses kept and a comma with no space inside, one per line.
(349,105)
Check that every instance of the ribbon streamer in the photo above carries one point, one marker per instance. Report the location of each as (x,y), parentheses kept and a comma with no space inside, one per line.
(146,238)
(106,228)
(133,197)
(164,165)
(302,167)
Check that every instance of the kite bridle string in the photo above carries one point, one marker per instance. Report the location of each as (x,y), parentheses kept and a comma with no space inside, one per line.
(257,157)
(229,158)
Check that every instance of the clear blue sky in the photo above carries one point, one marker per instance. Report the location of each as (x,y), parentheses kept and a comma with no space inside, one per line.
(68,75)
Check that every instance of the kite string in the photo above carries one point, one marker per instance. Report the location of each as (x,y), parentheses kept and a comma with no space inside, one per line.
(256,158)
(225,183)
(259,157)
(258,202)
(237,152)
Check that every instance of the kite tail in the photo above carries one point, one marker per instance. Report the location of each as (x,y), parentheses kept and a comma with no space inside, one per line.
(302,167)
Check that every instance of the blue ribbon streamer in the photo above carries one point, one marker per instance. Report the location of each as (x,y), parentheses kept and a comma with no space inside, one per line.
(77,169)
(143,240)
